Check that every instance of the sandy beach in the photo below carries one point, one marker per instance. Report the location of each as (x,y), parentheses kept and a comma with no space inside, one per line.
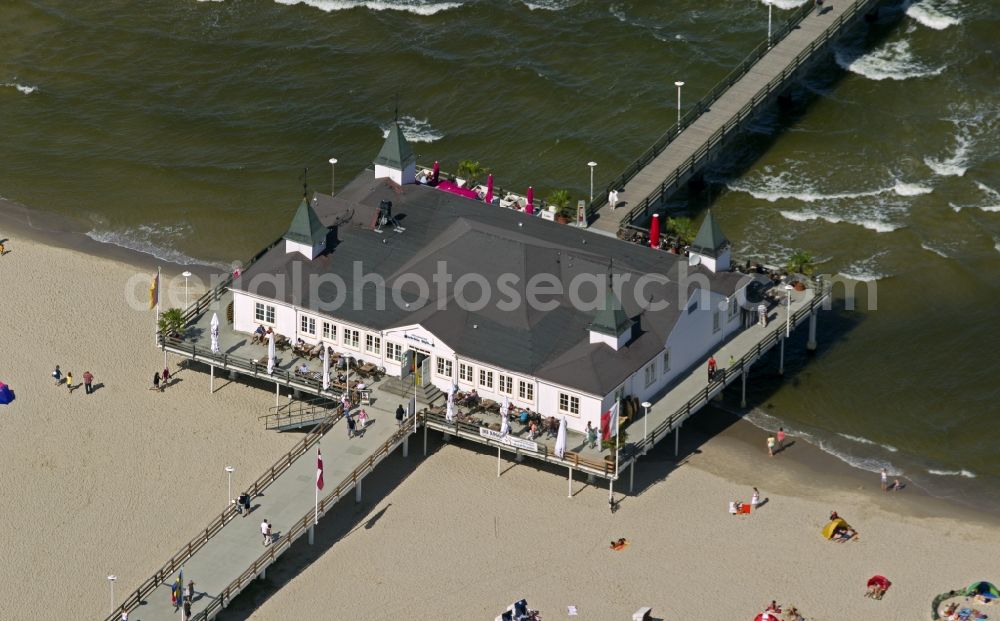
(117,481)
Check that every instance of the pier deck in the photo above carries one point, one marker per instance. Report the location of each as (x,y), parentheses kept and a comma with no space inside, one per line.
(703,130)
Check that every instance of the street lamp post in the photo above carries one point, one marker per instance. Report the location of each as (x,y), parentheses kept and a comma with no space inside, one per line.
(591,164)
(788,312)
(111,581)
(645,424)
(229,484)
(678,84)
(333,173)
(186,275)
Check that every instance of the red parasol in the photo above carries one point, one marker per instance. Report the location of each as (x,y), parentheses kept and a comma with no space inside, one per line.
(654,231)
(489,189)
(437,171)
(530,207)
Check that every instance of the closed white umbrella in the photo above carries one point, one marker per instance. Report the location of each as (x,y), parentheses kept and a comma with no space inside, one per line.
(215,333)
(449,413)
(326,367)
(504,424)
(561,439)
(270,353)
(505,406)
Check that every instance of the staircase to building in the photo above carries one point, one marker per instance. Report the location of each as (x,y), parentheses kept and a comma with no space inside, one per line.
(403,388)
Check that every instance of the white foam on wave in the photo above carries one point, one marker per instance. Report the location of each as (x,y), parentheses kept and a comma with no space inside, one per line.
(151,240)
(931,16)
(861,440)
(953,473)
(878,226)
(418,7)
(894,61)
(416,130)
(940,253)
(910,189)
(785,4)
(865,270)
(955,164)
(871,464)
(547,5)
(26,89)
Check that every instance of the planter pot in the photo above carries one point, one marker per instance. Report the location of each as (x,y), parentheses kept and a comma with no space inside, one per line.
(561,219)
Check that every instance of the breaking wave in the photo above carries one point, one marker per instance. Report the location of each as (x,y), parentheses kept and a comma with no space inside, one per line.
(787,186)
(785,4)
(153,241)
(929,248)
(861,440)
(893,61)
(23,88)
(416,130)
(955,164)
(865,270)
(931,16)
(953,473)
(878,226)
(547,5)
(418,7)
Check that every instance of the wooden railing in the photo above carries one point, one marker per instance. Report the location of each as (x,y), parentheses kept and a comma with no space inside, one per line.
(570,458)
(643,209)
(263,481)
(724,376)
(301,526)
(300,413)
(701,106)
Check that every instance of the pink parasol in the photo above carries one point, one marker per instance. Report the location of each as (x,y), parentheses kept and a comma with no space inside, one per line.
(654,231)
(437,171)
(530,207)
(766,616)
(489,189)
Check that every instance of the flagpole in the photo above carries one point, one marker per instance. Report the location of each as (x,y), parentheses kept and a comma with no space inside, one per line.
(156,327)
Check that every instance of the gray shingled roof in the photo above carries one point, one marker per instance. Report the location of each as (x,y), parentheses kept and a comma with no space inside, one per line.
(710,240)
(396,152)
(306,227)
(611,319)
(472,238)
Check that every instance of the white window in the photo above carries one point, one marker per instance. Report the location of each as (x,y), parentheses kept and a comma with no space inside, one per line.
(307,325)
(525,390)
(444,367)
(351,338)
(486,378)
(263,312)
(650,373)
(666,361)
(569,404)
(716,321)
(373,344)
(394,351)
(506,384)
(329,331)
(464,372)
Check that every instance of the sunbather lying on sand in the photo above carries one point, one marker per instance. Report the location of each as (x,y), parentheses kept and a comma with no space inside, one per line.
(621,544)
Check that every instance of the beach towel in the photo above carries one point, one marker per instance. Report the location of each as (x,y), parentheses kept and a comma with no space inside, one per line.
(745,509)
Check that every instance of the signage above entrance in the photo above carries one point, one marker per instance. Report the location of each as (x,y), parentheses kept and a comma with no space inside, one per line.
(416,338)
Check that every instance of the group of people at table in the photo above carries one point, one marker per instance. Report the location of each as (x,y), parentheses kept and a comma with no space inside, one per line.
(534,423)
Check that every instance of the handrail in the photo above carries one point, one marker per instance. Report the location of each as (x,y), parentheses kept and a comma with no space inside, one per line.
(213,528)
(301,526)
(702,105)
(746,111)
(308,414)
(571,457)
(723,375)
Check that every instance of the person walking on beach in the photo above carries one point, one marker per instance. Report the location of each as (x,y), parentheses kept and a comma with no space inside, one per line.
(165,377)
(156,381)
(88,379)
(754,499)
(885,480)
(770,445)
(57,375)
(265,531)
(69,380)
(400,413)
(781,438)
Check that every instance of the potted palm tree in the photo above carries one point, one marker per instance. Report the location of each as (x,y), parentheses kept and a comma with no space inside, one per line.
(802,263)
(560,200)
(172,323)
(683,229)
(471,171)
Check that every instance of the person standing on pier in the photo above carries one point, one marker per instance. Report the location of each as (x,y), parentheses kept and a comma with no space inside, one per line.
(400,413)
(711,368)
(265,531)
(350,424)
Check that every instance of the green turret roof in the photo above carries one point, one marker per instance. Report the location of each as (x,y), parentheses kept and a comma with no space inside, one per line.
(306,227)
(710,241)
(610,320)
(396,152)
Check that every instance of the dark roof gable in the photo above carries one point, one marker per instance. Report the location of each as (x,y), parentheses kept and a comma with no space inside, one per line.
(396,152)
(306,227)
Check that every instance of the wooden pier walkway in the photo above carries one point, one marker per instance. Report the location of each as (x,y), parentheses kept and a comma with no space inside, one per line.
(683,151)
